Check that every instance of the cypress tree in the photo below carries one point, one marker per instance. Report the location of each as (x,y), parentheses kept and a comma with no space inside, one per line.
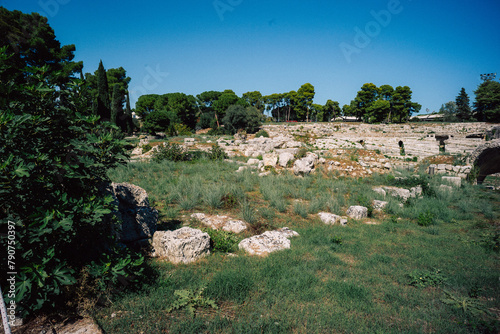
(117,106)
(464,111)
(128,114)
(103,105)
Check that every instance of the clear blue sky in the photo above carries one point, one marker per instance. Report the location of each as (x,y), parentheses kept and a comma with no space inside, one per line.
(434,47)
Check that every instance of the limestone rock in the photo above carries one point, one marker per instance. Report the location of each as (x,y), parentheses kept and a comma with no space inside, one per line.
(284,158)
(379,205)
(137,219)
(221,222)
(305,165)
(270,159)
(183,245)
(331,219)
(268,242)
(357,212)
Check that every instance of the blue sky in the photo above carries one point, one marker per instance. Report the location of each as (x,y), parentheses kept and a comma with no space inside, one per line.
(190,46)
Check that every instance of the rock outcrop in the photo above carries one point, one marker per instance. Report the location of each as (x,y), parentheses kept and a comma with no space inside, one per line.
(332,219)
(268,242)
(221,222)
(184,245)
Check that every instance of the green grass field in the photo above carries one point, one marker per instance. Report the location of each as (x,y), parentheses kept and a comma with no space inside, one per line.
(396,276)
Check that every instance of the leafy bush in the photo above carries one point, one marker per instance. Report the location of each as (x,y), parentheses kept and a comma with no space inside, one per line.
(262,133)
(182,129)
(146,148)
(170,151)
(425,218)
(223,241)
(191,300)
(217,153)
(54,164)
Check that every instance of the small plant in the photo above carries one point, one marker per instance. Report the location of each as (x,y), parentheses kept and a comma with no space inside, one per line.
(490,241)
(248,213)
(469,306)
(425,218)
(262,133)
(146,148)
(301,153)
(300,209)
(182,129)
(217,153)
(172,152)
(337,240)
(191,300)
(423,279)
(222,241)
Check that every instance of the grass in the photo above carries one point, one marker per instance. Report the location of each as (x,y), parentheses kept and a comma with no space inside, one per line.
(334,279)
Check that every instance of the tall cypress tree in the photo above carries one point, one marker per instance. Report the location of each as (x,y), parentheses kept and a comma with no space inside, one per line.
(464,111)
(103,105)
(128,114)
(117,106)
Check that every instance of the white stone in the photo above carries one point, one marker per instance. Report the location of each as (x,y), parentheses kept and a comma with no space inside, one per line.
(331,219)
(267,242)
(253,161)
(184,245)
(284,158)
(221,222)
(379,205)
(357,212)
(270,159)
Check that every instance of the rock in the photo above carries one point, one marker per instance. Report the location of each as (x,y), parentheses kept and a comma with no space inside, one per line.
(379,205)
(401,193)
(331,219)
(453,180)
(221,222)
(305,165)
(416,191)
(183,245)
(270,159)
(387,165)
(357,212)
(137,151)
(253,161)
(380,191)
(268,242)
(137,220)
(445,188)
(284,158)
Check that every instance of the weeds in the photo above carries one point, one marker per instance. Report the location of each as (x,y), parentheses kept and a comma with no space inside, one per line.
(191,300)
(222,241)
(423,279)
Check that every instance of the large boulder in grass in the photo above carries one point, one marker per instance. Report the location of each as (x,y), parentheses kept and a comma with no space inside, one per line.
(268,242)
(136,218)
(305,165)
(184,245)
(332,219)
(357,212)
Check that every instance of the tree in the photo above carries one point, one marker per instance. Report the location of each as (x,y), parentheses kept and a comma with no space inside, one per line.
(377,111)
(225,100)
(331,110)
(403,107)
(179,104)
(31,42)
(368,94)
(305,96)
(317,112)
(238,117)
(386,94)
(464,111)
(254,99)
(157,121)
(116,105)
(487,104)
(145,104)
(449,111)
(103,104)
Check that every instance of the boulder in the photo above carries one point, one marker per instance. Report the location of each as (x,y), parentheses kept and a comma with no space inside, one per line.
(284,158)
(137,220)
(268,242)
(184,245)
(270,159)
(221,222)
(331,219)
(379,205)
(305,165)
(357,212)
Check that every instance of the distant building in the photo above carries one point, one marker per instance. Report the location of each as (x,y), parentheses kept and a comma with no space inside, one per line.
(429,118)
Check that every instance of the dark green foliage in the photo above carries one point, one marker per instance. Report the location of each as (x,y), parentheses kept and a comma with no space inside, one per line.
(425,218)
(207,120)
(103,104)
(491,241)
(262,133)
(487,104)
(425,278)
(464,111)
(240,118)
(223,241)
(172,152)
(116,105)
(157,121)
(54,166)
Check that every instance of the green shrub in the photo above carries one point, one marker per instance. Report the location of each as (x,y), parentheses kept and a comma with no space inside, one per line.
(240,118)
(171,152)
(191,300)
(262,133)
(301,153)
(425,218)
(182,129)
(157,121)
(146,148)
(223,241)
(425,278)
(217,153)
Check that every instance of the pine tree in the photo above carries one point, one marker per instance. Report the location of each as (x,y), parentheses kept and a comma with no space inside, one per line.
(464,111)
(103,105)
